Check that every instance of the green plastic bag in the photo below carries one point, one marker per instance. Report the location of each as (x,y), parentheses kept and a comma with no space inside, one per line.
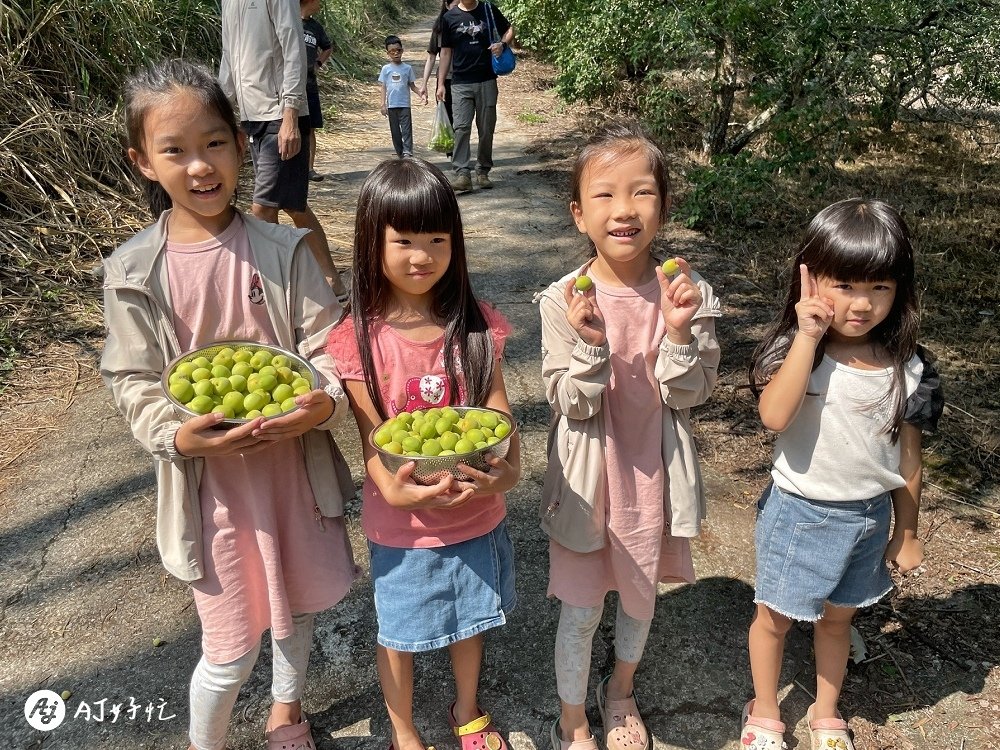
(442,134)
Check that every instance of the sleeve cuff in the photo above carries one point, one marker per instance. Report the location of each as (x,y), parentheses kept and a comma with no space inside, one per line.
(170,443)
(593,352)
(680,351)
(339,397)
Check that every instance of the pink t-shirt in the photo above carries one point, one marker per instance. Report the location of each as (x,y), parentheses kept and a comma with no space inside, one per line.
(639,551)
(412,376)
(268,555)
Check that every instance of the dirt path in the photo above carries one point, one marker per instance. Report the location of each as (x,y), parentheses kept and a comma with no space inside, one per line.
(84,595)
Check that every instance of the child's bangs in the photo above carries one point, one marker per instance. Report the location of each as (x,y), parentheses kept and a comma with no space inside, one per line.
(864,249)
(418,203)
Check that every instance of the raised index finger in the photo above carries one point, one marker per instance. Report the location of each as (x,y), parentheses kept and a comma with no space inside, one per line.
(806,283)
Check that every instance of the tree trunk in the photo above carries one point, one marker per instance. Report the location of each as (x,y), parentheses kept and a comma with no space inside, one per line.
(724,85)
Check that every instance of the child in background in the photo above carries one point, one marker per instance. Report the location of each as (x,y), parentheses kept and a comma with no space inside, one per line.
(251,517)
(415,337)
(318,51)
(622,493)
(397,80)
(848,390)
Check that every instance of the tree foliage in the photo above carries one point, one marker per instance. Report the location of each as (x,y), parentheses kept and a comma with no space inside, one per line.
(804,71)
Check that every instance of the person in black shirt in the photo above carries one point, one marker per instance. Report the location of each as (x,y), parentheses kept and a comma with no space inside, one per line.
(466,47)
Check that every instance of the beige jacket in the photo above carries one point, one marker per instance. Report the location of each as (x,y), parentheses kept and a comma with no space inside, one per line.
(575,376)
(141,341)
(263,66)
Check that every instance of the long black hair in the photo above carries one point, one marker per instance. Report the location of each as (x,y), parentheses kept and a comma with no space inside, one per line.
(854,240)
(151,86)
(412,195)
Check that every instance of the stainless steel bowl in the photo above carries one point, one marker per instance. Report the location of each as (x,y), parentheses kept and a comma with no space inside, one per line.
(431,469)
(302,366)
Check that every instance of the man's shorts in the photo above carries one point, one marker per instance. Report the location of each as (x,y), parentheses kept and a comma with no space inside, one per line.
(315,108)
(277,183)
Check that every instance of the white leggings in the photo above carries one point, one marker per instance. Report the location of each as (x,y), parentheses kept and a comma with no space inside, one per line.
(574,642)
(214,687)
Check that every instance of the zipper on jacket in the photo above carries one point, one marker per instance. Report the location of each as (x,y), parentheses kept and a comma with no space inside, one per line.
(318,517)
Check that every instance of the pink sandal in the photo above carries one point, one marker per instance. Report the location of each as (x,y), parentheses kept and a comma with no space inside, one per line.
(291,737)
(478,734)
(623,726)
(758,733)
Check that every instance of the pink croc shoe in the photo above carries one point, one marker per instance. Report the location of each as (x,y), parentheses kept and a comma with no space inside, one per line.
(828,734)
(291,737)
(623,726)
(758,733)
(478,734)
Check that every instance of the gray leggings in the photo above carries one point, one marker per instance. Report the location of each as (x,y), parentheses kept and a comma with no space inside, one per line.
(214,687)
(574,642)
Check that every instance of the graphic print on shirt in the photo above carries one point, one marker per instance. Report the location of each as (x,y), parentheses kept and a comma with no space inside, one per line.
(424,392)
(396,77)
(471,28)
(256,290)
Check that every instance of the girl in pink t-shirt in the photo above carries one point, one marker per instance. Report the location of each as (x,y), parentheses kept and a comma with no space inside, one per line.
(415,338)
(251,517)
(628,347)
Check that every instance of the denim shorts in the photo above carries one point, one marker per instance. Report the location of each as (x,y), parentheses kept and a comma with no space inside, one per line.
(811,552)
(430,597)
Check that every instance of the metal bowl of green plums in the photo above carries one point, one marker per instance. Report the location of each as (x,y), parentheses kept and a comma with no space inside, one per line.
(242,380)
(437,440)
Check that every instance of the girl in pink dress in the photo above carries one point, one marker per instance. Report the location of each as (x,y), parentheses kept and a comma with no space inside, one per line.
(251,517)
(627,351)
(416,338)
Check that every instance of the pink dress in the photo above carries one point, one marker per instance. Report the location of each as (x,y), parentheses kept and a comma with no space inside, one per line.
(639,551)
(412,376)
(268,555)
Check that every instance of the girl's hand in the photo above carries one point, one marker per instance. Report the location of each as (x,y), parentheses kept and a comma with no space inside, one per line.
(904,552)
(500,478)
(680,299)
(199,437)
(584,314)
(403,492)
(815,314)
(496,48)
(315,408)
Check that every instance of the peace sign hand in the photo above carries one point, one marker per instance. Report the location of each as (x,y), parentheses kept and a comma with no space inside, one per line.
(815,314)
(584,314)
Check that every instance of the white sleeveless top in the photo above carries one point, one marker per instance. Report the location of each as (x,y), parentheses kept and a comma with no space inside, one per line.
(837,447)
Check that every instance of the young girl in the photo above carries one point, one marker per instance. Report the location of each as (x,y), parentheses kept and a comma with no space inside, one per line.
(623,363)
(251,517)
(417,338)
(846,388)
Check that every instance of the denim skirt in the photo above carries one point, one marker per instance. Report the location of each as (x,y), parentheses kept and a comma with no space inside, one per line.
(810,553)
(431,597)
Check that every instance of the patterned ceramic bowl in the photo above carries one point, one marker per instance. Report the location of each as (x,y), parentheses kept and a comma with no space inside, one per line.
(431,469)
(300,367)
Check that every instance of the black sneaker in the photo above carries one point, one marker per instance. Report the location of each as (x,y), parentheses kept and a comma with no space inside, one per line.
(316,176)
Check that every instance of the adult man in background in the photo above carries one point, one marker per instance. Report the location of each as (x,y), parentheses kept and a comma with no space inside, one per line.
(467,49)
(263,71)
